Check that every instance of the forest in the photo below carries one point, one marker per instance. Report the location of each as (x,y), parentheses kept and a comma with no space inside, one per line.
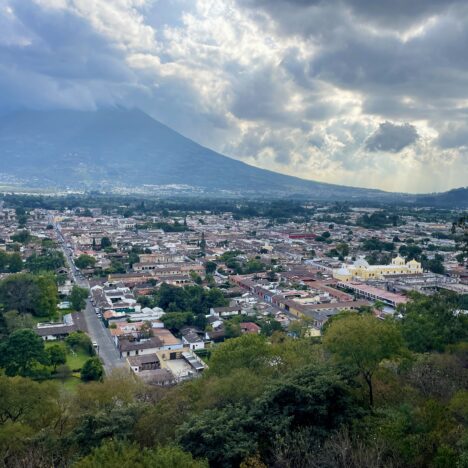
(368,393)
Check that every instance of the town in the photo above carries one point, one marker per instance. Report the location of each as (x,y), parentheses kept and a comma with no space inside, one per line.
(157,289)
(194,332)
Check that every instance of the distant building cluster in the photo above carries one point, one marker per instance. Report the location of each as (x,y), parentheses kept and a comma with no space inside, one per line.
(264,276)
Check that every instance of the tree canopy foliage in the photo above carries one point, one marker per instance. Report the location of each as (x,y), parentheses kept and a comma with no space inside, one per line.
(361,342)
(265,400)
(430,323)
(78,297)
(30,294)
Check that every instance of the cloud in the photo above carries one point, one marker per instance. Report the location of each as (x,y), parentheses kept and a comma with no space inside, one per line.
(454,135)
(396,14)
(392,137)
(54,58)
(305,87)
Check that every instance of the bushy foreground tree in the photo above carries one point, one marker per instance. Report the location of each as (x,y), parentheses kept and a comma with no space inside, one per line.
(361,343)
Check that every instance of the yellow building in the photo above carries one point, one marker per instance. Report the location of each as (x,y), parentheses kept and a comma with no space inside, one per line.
(363,271)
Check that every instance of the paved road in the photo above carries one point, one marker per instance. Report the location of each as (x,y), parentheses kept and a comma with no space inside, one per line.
(100,335)
(96,330)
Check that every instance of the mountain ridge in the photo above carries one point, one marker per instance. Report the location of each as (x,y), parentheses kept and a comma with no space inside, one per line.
(119,148)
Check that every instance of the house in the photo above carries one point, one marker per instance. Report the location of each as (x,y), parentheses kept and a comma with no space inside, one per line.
(227,311)
(144,362)
(191,338)
(183,365)
(250,328)
(169,341)
(216,336)
(148,368)
(178,280)
(54,331)
(49,331)
(134,347)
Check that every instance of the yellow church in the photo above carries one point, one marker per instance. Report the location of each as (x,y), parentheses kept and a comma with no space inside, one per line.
(363,271)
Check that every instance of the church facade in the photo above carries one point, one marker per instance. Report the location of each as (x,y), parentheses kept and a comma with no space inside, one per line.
(361,269)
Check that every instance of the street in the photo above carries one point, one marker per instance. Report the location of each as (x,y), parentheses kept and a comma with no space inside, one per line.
(100,335)
(96,329)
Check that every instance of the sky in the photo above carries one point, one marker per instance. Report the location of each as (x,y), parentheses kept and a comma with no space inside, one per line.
(356,92)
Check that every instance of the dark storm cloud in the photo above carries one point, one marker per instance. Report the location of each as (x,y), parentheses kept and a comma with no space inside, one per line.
(259,96)
(390,13)
(454,137)
(391,137)
(298,83)
(421,76)
(59,60)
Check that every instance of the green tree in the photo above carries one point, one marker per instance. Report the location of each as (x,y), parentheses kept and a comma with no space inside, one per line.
(48,297)
(21,216)
(92,370)
(232,328)
(314,396)
(4,260)
(127,455)
(57,355)
(15,263)
(410,251)
(342,248)
(248,351)
(435,264)
(196,278)
(22,237)
(362,342)
(85,261)
(104,421)
(22,352)
(24,401)
(270,326)
(79,340)
(117,266)
(50,261)
(133,258)
(174,321)
(223,436)
(271,276)
(27,293)
(430,323)
(203,244)
(78,297)
(16,321)
(210,267)
(105,243)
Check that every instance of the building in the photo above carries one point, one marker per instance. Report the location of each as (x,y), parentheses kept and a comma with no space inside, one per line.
(49,331)
(143,363)
(363,271)
(250,328)
(375,294)
(191,338)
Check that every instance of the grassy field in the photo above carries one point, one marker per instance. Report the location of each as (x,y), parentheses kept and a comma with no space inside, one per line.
(75,359)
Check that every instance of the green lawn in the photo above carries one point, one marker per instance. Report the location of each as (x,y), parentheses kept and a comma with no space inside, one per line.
(75,359)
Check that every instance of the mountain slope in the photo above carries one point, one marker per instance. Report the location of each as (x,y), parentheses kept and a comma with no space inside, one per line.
(127,148)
